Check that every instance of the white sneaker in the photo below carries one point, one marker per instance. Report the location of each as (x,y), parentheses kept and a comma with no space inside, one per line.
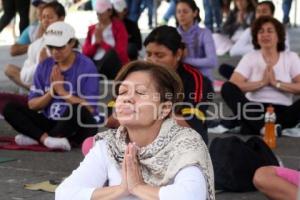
(24,140)
(57,143)
(291,132)
(220,129)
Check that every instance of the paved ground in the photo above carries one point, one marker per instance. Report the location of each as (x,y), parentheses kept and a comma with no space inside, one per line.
(32,167)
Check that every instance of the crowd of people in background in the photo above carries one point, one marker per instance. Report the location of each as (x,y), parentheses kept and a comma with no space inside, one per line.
(60,78)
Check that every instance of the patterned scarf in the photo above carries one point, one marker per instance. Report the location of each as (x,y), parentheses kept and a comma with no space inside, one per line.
(174,148)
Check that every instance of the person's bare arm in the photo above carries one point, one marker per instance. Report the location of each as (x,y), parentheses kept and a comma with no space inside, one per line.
(247,86)
(18,49)
(41,102)
(293,87)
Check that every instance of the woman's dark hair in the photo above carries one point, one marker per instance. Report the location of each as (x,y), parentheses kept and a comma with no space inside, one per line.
(192,4)
(76,43)
(268,3)
(167,82)
(167,36)
(58,8)
(279,28)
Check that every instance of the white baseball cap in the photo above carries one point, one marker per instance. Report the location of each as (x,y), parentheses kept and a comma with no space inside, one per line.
(102,6)
(58,34)
(119,5)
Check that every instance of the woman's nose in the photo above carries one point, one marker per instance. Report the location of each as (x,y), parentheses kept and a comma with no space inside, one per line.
(151,59)
(129,98)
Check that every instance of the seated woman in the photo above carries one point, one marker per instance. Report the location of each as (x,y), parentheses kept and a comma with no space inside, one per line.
(201,51)
(237,21)
(67,104)
(149,156)
(107,41)
(277,182)
(266,76)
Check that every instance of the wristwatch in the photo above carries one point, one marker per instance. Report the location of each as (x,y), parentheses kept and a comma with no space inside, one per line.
(278,84)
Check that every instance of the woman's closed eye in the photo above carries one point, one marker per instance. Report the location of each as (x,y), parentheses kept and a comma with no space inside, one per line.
(122,91)
(140,92)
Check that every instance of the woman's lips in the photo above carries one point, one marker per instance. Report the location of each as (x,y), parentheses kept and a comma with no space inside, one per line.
(125,109)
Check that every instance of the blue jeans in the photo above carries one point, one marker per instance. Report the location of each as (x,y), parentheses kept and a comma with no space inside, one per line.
(286,7)
(133,9)
(212,12)
(149,5)
(171,10)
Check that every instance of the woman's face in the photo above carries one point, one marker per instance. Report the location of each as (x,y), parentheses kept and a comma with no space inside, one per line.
(263,10)
(161,55)
(105,17)
(267,36)
(185,15)
(241,4)
(48,17)
(138,101)
(61,54)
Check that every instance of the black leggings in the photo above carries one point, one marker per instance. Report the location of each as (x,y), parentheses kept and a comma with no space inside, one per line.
(10,8)
(226,70)
(109,65)
(35,124)
(287,116)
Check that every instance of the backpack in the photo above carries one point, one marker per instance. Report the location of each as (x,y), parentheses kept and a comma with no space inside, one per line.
(235,162)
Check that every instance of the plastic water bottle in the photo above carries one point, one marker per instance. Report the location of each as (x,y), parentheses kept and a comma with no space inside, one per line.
(270,118)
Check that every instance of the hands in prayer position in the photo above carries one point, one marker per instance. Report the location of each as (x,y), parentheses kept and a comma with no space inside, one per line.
(57,81)
(269,78)
(131,173)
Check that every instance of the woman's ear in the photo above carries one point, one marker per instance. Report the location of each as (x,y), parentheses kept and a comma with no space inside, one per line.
(180,54)
(196,14)
(166,109)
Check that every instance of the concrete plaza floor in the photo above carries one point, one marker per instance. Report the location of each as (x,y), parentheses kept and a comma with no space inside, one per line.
(33,167)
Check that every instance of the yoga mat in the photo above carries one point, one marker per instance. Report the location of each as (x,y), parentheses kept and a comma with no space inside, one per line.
(8,143)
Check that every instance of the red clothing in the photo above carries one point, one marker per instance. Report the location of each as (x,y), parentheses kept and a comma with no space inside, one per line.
(121,41)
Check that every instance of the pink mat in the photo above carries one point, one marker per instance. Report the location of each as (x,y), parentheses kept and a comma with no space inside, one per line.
(8,143)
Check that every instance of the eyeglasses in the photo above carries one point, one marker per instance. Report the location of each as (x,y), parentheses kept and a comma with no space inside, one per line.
(50,47)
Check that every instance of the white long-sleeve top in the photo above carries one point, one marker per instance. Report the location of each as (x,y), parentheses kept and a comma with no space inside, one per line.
(96,169)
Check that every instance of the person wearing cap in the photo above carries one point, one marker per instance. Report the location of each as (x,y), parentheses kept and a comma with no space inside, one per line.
(107,41)
(134,33)
(65,90)
(51,13)
(10,8)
